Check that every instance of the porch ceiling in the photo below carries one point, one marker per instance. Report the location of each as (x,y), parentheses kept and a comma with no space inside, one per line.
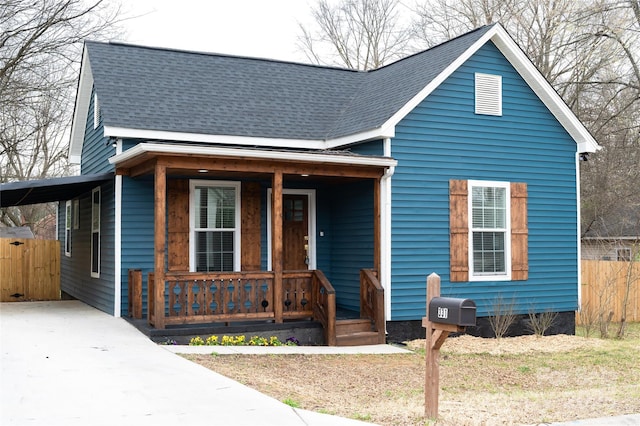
(180,159)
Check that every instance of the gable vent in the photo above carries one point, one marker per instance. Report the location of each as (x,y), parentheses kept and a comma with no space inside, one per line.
(488,94)
(96,112)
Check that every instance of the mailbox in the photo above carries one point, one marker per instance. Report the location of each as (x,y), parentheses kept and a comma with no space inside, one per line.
(451,310)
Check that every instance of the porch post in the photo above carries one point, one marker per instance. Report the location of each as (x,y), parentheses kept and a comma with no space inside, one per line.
(376,227)
(276,244)
(160,206)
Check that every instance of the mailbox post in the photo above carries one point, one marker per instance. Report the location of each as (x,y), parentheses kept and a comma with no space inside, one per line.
(444,315)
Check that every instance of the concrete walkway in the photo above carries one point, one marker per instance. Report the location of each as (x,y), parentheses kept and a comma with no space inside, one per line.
(65,363)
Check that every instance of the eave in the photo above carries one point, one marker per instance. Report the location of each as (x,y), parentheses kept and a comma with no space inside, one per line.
(138,160)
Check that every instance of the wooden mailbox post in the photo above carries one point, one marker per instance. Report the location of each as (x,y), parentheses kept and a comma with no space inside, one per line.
(449,316)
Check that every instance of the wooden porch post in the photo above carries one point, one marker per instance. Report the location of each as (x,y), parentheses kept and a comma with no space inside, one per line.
(377,254)
(160,221)
(276,244)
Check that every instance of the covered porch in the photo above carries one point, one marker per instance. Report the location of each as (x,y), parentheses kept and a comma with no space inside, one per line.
(278,272)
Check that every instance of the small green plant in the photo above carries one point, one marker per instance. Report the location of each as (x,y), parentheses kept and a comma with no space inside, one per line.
(196,341)
(258,341)
(291,403)
(241,341)
(363,417)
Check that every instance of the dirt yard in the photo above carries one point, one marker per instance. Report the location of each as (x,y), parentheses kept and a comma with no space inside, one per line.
(510,381)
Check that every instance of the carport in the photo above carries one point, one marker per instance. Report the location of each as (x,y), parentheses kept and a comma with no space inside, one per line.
(29,268)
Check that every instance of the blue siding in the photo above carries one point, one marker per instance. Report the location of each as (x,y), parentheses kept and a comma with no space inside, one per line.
(352,240)
(95,150)
(369,148)
(137,234)
(76,277)
(324,243)
(442,139)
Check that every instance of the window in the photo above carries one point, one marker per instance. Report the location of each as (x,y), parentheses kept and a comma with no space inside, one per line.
(215,226)
(76,214)
(488,231)
(96,111)
(67,229)
(95,233)
(489,235)
(624,254)
(488,89)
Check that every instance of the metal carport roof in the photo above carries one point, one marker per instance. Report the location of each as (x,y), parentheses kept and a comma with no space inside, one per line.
(49,190)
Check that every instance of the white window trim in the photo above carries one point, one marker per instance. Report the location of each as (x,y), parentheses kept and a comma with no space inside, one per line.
(192,220)
(507,244)
(488,86)
(67,228)
(311,224)
(95,274)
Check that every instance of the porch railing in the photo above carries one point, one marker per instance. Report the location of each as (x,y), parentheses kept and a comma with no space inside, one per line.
(372,301)
(324,307)
(191,298)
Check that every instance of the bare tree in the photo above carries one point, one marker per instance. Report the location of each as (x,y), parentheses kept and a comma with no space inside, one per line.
(357,34)
(40,45)
(590,53)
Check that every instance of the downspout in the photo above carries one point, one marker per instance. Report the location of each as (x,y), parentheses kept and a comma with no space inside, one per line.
(385,230)
(579,230)
(117,304)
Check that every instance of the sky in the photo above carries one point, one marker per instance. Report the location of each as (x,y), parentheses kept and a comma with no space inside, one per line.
(259,28)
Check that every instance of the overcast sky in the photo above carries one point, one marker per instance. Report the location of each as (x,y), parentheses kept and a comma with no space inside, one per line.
(262,28)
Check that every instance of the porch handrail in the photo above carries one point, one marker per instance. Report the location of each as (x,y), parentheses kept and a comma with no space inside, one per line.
(324,307)
(372,301)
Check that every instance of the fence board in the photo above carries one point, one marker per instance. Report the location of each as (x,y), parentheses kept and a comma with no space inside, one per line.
(30,268)
(604,284)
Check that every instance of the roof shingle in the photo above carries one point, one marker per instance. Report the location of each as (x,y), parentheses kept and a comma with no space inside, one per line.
(188,92)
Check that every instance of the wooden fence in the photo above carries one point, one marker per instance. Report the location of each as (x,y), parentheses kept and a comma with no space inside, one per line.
(604,287)
(29,269)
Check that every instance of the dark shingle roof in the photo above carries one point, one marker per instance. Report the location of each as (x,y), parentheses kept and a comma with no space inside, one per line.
(177,91)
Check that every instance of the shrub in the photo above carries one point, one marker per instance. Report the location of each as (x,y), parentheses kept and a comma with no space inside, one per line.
(501,316)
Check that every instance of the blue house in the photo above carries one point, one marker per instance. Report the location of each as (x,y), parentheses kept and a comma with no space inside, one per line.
(252,189)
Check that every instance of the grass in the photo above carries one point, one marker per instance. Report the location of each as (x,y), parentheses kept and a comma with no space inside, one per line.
(593,379)
(291,403)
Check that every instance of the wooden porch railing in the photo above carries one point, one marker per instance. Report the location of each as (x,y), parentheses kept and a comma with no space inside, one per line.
(372,301)
(191,298)
(324,307)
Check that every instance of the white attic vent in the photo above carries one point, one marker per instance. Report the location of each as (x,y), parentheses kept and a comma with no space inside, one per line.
(488,94)
(96,111)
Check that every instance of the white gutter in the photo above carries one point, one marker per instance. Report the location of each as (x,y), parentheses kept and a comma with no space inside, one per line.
(579,242)
(385,231)
(156,148)
(123,132)
(117,304)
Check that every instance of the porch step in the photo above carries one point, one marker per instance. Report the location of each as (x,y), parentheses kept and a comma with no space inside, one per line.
(357,339)
(348,326)
(355,332)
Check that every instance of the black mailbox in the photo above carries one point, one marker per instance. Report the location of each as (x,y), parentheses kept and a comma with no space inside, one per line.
(451,310)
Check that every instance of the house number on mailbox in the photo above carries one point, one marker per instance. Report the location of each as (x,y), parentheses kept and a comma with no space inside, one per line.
(443,312)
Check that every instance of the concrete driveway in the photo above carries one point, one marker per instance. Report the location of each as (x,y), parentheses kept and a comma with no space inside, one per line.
(65,363)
